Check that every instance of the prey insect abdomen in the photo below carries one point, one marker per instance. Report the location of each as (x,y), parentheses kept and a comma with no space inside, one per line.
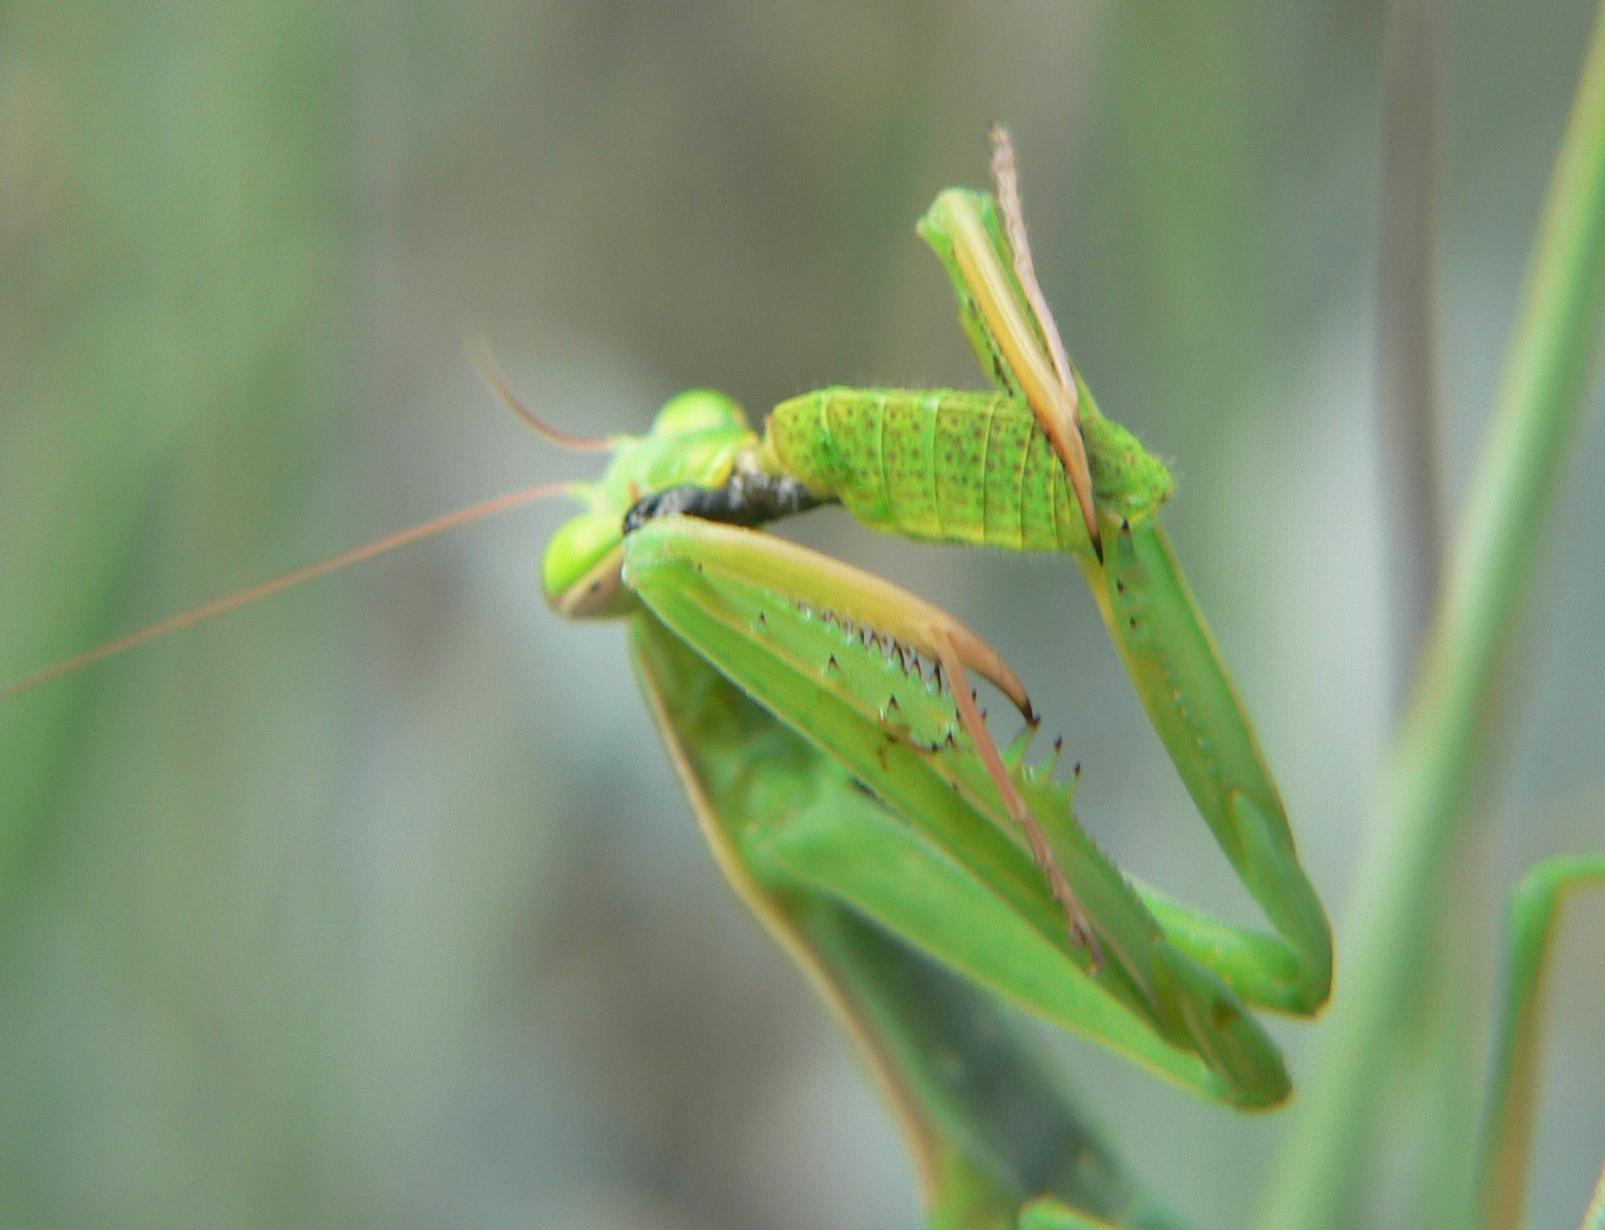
(941,465)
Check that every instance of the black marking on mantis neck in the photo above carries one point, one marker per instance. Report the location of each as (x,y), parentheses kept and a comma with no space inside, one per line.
(750,498)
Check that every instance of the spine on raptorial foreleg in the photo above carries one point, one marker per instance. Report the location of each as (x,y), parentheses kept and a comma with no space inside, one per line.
(935,465)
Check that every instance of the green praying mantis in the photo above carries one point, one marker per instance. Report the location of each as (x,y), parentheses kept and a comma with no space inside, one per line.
(883,829)
(822,723)
(1137,971)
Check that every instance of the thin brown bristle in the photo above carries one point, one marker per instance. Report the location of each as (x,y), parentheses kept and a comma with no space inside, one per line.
(1007,178)
(287,580)
(490,371)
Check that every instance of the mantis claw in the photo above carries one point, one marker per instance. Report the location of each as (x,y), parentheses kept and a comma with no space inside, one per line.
(1079,925)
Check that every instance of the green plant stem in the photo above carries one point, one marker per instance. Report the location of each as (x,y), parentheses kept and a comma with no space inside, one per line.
(1407,316)
(1534,912)
(1594,1215)
(1447,727)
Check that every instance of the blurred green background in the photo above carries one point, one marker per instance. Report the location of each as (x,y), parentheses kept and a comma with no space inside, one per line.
(377,905)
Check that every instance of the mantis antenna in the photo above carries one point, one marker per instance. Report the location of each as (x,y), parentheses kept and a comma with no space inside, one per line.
(479,354)
(287,580)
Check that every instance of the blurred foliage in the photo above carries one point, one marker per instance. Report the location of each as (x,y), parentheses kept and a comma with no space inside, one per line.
(377,905)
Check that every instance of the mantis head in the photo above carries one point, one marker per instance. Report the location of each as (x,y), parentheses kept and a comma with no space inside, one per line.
(694,440)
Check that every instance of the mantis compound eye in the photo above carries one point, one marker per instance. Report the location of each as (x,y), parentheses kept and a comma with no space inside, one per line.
(580,571)
(698,410)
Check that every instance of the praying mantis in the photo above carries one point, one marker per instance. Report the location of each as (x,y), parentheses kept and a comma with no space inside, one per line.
(882,820)
(822,725)
(978,467)
(791,633)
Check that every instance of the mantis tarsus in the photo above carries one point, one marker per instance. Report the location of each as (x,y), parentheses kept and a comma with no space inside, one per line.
(822,725)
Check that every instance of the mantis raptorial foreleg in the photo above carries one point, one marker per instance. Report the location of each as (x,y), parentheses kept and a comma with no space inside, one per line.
(865,605)
(1155,623)
(767,615)
(995,1140)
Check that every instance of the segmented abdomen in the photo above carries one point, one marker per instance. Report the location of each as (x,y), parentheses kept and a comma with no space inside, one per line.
(944,466)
